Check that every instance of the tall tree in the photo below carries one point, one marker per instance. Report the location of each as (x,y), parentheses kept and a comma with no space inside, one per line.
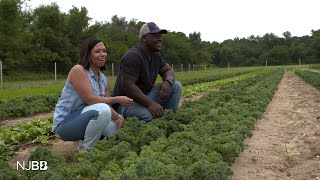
(13,40)
(50,43)
(77,23)
(278,55)
(200,53)
(177,48)
(315,46)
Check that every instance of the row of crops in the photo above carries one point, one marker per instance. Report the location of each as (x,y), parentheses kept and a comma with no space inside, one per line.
(23,106)
(310,76)
(200,141)
(39,131)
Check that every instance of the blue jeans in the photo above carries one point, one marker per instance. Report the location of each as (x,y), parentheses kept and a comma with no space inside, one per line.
(143,113)
(87,124)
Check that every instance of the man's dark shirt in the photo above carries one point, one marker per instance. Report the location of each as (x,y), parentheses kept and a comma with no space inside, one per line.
(135,64)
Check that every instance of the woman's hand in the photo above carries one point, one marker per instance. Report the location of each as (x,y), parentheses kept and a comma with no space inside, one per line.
(119,121)
(124,100)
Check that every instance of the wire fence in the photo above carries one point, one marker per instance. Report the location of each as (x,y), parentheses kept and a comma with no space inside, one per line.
(55,71)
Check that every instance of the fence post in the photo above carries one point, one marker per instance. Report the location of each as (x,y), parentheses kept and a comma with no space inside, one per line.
(205,68)
(181,67)
(55,70)
(1,71)
(228,65)
(299,62)
(112,69)
(267,63)
(189,67)
(172,67)
(192,67)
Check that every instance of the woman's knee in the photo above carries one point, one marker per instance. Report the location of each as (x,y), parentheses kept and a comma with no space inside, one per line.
(104,113)
(104,109)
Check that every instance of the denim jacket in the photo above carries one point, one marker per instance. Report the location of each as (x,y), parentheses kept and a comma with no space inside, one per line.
(70,100)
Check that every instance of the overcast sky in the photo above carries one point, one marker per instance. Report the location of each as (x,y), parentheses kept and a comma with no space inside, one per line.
(216,20)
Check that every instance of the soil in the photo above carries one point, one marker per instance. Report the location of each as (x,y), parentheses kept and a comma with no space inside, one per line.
(13,121)
(286,141)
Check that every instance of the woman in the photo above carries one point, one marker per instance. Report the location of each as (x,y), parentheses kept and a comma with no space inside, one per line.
(83,111)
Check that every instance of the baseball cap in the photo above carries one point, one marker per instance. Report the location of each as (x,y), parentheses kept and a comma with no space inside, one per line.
(150,27)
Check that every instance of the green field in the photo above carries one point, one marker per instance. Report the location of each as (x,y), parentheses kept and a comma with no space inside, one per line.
(14,89)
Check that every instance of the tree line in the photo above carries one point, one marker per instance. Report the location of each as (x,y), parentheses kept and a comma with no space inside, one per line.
(31,38)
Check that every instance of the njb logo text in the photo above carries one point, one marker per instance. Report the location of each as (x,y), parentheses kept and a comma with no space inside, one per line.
(32,165)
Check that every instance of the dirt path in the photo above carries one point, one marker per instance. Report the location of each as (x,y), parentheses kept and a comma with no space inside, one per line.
(286,141)
(13,121)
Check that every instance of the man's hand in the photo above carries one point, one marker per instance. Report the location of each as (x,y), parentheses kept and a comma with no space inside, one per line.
(165,90)
(156,110)
(120,121)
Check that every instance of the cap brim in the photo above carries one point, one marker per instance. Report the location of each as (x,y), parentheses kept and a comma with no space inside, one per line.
(162,31)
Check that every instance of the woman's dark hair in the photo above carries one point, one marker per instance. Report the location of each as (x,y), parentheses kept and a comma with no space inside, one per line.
(86,47)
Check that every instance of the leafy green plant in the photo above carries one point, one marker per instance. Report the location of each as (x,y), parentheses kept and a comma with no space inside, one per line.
(37,131)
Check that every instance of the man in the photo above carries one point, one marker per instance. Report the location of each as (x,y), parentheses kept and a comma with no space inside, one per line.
(138,72)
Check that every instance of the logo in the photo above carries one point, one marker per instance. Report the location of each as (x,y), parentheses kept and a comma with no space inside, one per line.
(32,165)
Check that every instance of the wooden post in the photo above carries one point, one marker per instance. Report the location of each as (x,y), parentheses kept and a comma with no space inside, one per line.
(228,65)
(181,67)
(189,67)
(172,66)
(267,63)
(112,69)
(1,71)
(55,70)
(299,62)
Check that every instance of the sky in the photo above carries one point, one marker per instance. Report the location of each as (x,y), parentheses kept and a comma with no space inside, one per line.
(216,20)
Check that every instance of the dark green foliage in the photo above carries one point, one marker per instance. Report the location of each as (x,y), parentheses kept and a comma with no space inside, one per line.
(83,170)
(228,144)
(47,175)
(6,172)
(153,169)
(27,106)
(139,133)
(206,170)
(56,164)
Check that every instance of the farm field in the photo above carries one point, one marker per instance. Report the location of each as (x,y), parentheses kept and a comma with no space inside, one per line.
(286,140)
(19,99)
(212,140)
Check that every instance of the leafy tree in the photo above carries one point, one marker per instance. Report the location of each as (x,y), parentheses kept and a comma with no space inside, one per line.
(115,51)
(315,46)
(13,39)
(276,56)
(49,40)
(177,48)
(77,22)
(200,53)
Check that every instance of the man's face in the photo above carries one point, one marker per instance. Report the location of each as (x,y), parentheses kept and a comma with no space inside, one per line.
(154,41)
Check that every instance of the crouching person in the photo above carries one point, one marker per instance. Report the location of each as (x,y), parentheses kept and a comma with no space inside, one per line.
(83,111)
